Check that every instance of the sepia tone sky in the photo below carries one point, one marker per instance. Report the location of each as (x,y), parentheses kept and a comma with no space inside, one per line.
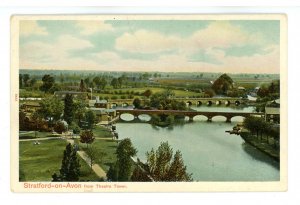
(238,46)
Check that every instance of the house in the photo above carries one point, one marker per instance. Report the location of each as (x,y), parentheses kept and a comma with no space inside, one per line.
(272,111)
(99,103)
(104,116)
(29,106)
(75,94)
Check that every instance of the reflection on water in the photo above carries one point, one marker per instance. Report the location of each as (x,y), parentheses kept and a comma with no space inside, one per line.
(258,155)
(209,152)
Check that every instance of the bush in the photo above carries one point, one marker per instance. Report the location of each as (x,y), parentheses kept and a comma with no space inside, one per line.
(60,127)
(75,128)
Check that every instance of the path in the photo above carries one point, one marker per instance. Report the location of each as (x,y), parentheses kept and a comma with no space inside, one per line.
(96,168)
(40,139)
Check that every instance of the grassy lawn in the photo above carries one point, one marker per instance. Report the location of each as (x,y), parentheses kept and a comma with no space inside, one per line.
(31,135)
(106,146)
(39,162)
(102,132)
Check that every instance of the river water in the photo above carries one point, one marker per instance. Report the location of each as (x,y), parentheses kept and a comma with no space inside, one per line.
(209,153)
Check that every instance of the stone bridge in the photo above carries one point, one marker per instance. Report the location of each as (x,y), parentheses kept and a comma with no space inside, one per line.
(189,114)
(190,101)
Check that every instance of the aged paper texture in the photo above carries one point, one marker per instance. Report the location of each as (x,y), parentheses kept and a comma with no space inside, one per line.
(148,103)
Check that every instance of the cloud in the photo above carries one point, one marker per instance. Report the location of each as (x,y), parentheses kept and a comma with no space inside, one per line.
(221,34)
(213,42)
(28,28)
(144,41)
(41,53)
(91,27)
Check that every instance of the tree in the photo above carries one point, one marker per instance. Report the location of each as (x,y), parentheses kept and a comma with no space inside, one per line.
(115,83)
(61,78)
(48,82)
(87,136)
(90,119)
(147,93)
(75,128)
(137,103)
(32,82)
(69,109)
(20,80)
(70,166)
(222,84)
(87,81)
(177,171)
(161,167)
(209,92)
(125,151)
(51,109)
(112,174)
(121,171)
(60,127)
(79,111)
(97,81)
(255,125)
(81,86)
(26,78)
(93,154)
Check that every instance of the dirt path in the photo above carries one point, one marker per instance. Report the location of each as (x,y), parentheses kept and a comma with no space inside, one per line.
(40,139)
(96,168)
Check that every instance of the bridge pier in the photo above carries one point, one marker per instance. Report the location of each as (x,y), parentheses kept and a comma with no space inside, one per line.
(228,119)
(191,118)
(209,119)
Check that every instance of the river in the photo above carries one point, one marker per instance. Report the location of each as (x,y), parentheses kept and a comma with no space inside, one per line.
(209,153)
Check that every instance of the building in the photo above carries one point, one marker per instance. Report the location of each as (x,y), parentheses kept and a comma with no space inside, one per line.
(99,103)
(75,94)
(272,111)
(29,106)
(104,116)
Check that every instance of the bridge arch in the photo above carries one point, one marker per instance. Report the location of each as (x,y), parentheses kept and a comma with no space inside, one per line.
(237,118)
(189,103)
(125,104)
(200,118)
(209,103)
(227,102)
(219,118)
(113,105)
(199,103)
(218,102)
(237,102)
(127,117)
(144,117)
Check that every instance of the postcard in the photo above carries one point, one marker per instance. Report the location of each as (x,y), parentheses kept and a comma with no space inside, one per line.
(149,103)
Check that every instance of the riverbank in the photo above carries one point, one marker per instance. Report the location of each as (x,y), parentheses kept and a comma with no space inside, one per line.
(263,147)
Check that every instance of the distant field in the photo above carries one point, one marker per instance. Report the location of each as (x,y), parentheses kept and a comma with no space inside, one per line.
(39,162)
(153,89)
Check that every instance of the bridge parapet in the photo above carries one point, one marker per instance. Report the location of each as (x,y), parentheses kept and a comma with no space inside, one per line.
(190,114)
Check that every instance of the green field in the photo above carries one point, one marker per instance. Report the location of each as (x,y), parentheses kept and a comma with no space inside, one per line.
(127,91)
(39,162)
(107,146)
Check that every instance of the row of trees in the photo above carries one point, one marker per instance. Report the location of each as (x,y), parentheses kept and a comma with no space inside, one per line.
(26,81)
(259,127)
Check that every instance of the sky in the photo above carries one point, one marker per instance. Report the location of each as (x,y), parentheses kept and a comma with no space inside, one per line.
(235,46)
